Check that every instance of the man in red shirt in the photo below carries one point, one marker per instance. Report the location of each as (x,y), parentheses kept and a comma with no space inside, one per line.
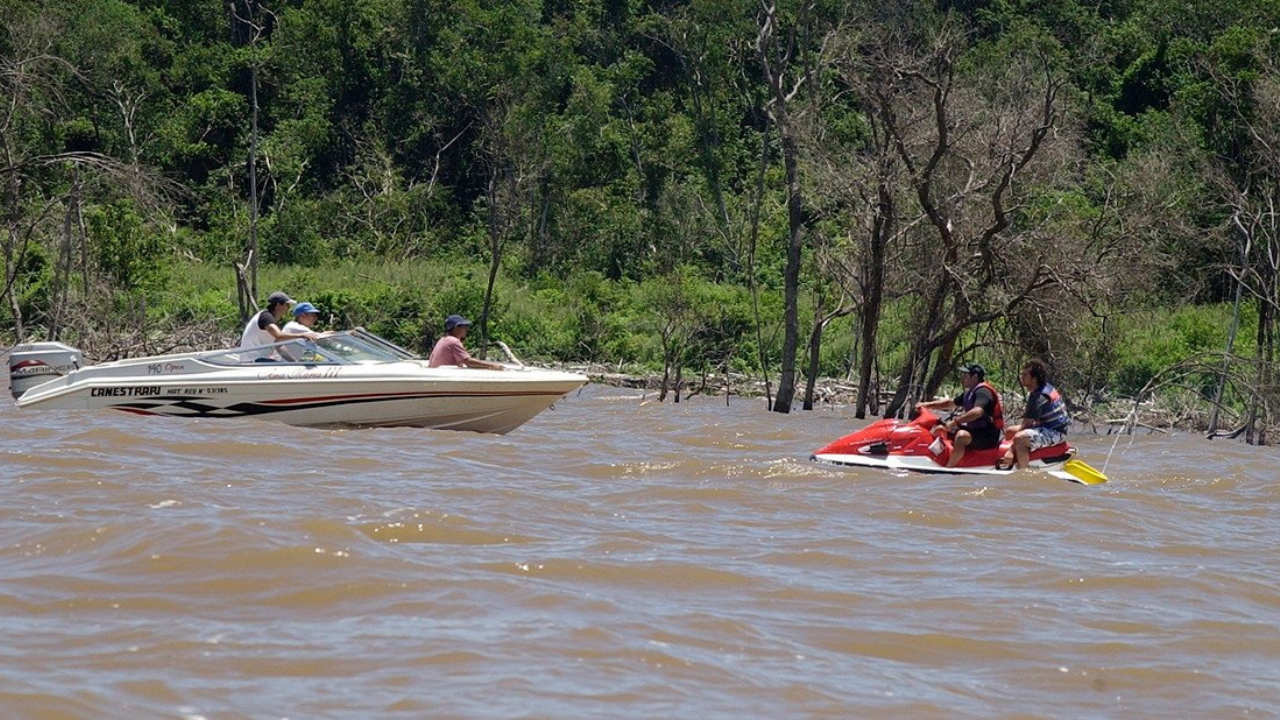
(449,350)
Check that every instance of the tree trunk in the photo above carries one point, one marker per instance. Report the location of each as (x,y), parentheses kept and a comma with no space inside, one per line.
(13,255)
(245,31)
(791,275)
(62,270)
(666,370)
(1231,342)
(253,184)
(815,345)
(679,380)
(495,259)
(912,375)
(1267,319)
(754,241)
(873,292)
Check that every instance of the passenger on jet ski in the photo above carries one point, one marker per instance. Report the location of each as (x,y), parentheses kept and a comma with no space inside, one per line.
(1045,421)
(980,424)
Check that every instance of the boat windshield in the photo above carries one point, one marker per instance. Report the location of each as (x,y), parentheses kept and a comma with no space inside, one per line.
(342,348)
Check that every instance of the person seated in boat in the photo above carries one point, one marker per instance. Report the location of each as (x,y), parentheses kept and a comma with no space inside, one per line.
(304,319)
(1045,420)
(980,421)
(450,350)
(264,329)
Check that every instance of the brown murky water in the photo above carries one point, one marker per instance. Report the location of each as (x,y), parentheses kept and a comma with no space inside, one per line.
(615,558)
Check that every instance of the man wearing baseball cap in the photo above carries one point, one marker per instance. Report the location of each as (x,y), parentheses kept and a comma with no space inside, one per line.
(304,319)
(980,422)
(449,349)
(264,329)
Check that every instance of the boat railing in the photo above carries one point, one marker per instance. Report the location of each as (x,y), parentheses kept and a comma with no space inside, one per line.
(510,355)
(346,347)
(339,348)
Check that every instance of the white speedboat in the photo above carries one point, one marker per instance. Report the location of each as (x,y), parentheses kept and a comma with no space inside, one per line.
(346,379)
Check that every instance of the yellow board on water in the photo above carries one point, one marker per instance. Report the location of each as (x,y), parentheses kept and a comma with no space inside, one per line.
(1084,472)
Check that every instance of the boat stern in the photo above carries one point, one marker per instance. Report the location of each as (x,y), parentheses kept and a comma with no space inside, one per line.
(35,364)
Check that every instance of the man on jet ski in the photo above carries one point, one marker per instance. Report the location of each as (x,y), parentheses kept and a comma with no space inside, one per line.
(980,422)
(1045,421)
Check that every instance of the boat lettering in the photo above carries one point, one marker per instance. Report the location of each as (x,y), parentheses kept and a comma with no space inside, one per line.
(123,391)
(299,374)
(160,368)
(40,369)
(201,391)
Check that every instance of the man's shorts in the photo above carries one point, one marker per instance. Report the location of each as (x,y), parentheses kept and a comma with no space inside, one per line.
(1044,437)
(984,437)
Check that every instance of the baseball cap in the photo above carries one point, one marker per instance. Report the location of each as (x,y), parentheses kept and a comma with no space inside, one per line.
(279,298)
(974,369)
(454,321)
(303,308)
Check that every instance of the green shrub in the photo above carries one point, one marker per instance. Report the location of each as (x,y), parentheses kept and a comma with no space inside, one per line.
(1154,340)
(129,253)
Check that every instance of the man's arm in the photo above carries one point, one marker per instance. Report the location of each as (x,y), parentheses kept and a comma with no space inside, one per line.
(939,403)
(280,335)
(473,362)
(1035,410)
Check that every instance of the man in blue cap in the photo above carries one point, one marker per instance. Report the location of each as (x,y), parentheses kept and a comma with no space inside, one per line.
(304,319)
(449,349)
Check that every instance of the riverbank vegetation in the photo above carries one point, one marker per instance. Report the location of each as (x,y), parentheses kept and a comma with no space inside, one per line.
(781,191)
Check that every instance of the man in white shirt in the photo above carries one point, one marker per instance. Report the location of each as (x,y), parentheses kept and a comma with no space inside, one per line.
(305,316)
(263,328)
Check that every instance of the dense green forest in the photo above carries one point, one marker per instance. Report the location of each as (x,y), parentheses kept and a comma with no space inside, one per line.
(786,190)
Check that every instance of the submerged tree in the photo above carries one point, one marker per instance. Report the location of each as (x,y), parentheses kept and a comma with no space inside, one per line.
(790,49)
(967,128)
(1248,172)
(250,22)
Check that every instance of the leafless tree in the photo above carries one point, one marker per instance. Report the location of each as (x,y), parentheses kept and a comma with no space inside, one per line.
(736,225)
(516,163)
(1248,178)
(791,50)
(969,145)
(249,25)
(872,181)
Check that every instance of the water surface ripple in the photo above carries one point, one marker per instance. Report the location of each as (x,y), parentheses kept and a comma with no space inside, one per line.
(619,557)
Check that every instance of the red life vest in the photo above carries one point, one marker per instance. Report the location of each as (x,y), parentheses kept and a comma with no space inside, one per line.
(997,410)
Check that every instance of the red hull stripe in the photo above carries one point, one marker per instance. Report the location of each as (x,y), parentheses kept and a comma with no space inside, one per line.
(135,411)
(405,395)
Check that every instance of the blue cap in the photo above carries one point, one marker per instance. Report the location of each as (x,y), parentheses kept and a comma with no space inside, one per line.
(454,321)
(303,308)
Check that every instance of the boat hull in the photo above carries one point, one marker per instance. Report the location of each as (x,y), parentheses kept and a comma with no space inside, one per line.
(399,394)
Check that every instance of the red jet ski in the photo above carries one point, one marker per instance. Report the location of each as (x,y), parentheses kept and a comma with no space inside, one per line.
(910,445)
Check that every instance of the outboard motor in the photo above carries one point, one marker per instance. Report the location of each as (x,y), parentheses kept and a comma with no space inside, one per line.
(34,363)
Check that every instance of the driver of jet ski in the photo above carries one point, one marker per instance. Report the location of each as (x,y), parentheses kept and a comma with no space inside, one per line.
(979,421)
